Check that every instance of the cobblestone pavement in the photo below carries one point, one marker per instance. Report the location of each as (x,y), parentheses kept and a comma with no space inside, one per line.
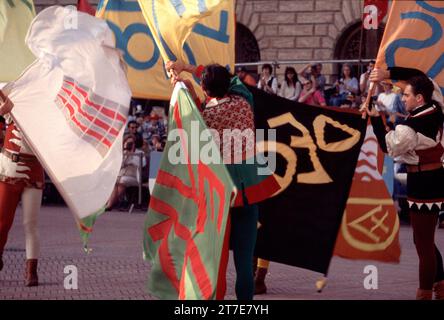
(115,268)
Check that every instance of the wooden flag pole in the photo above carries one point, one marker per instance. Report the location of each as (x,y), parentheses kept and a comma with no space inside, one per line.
(367,102)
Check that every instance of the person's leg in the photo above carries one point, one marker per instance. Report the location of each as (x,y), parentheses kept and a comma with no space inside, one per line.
(261,273)
(121,188)
(9,199)
(424,225)
(243,240)
(31,203)
(112,199)
(438,287)
(439,265)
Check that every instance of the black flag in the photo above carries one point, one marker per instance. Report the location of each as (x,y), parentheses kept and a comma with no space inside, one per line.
(317,150)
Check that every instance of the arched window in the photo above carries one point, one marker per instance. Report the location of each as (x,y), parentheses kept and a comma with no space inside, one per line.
(247,49)
(348,44)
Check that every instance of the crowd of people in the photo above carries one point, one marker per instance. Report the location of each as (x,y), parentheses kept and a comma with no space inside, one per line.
(309,86)
(146,132)
(412,133)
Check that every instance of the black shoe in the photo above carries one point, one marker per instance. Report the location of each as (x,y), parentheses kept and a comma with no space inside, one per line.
(124,206)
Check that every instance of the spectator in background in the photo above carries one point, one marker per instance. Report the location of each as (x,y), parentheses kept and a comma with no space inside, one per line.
(129,174)
(320,78)
(155,126)
(246,77)
(350,101)
(133,128)
(267,82)
(314,70)
(390,103)
(364,83)
(347,84)
(311,95)
(291,87)
(156,143)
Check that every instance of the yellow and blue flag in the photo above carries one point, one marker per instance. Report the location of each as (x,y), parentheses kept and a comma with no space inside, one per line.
(209,39)
(171,22)
(15,18)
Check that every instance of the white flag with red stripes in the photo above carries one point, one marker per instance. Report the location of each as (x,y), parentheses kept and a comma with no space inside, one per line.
(72,103)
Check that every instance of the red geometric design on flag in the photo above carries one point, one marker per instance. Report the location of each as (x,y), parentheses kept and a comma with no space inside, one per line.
(90,116)
(161,230)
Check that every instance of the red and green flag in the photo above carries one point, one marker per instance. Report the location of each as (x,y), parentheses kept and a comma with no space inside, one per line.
(185,236)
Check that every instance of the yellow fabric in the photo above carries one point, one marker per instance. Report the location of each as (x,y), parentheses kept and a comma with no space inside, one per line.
(413,38)
(213,41)
(173,21)
(146,74)
(15,18)
(261,263)
(196,32)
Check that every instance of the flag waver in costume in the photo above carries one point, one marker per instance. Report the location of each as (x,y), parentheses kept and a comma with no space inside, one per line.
(411,52)
(71,105)
(21,175)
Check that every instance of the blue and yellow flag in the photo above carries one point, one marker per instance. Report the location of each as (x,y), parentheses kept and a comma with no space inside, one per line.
(206,37)
(146,74)
(15,18)
(171,22)
(413,38)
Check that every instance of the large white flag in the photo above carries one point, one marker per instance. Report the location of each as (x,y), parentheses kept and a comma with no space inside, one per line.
(71,105)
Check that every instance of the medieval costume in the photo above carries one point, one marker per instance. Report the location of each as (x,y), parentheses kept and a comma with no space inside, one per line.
(418,143)
(21,178)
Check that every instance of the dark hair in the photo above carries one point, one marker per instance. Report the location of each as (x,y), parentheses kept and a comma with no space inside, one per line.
(267,66)
(421,84)
(138,142)
(215,80)
(132,122)
(295,78)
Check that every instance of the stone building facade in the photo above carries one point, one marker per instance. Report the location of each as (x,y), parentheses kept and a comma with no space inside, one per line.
(284,30)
